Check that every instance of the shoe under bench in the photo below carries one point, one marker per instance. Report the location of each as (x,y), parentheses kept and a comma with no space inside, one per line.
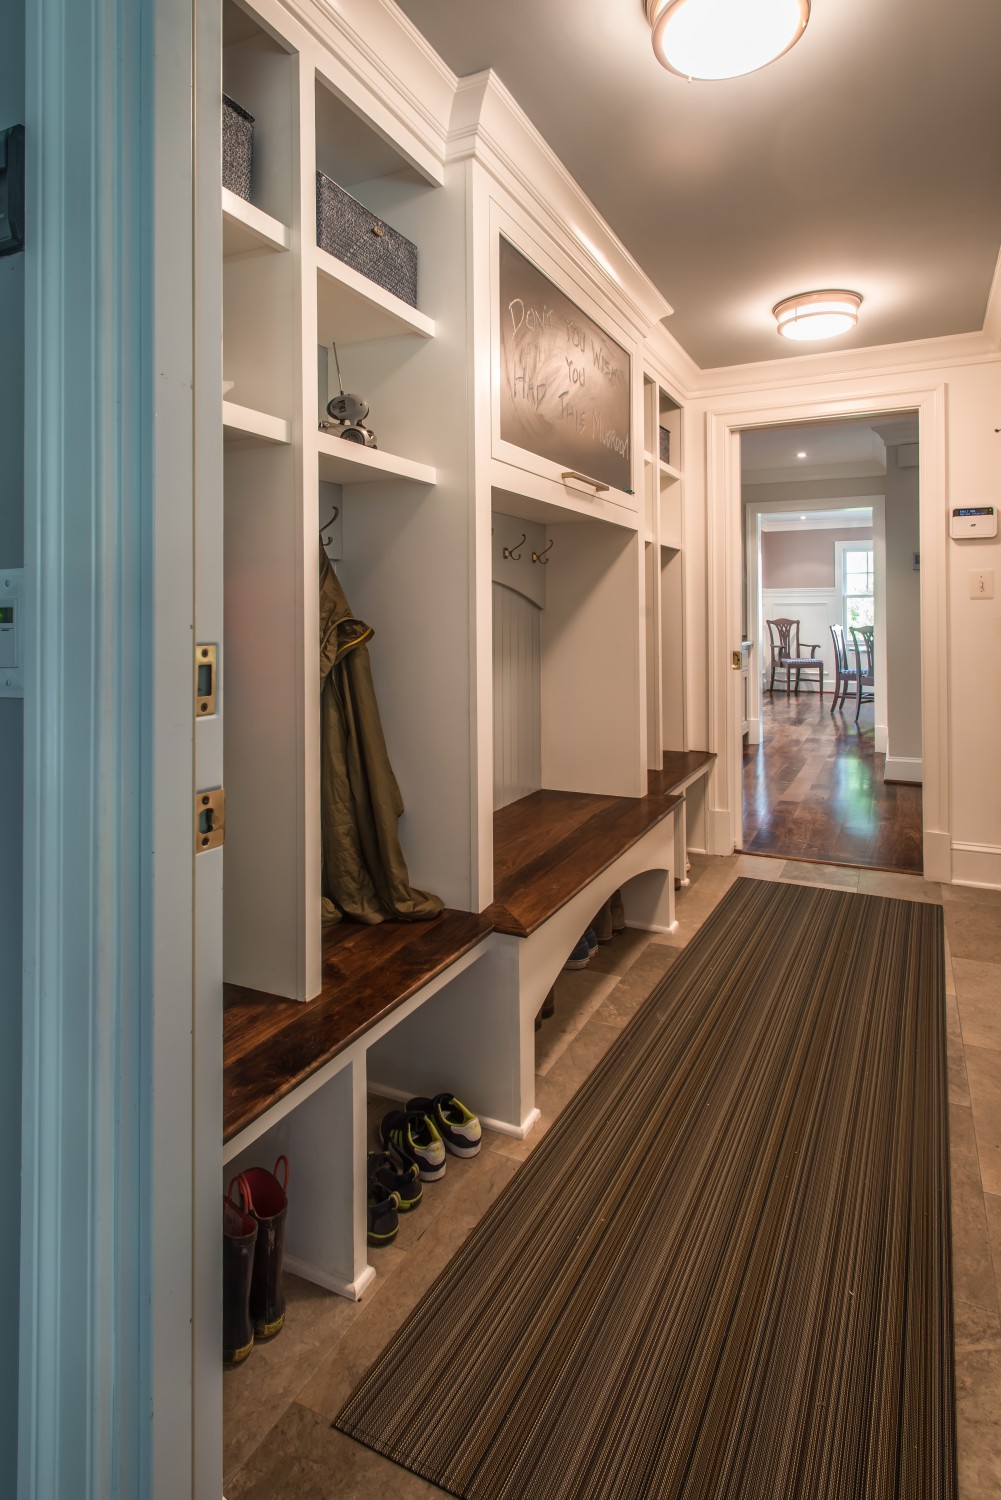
(414,1007)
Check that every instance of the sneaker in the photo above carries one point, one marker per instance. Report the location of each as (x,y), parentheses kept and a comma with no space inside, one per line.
(383,1218)
(415,1137)
(580,957)
(458,1126)
(401,1177)
(591,939)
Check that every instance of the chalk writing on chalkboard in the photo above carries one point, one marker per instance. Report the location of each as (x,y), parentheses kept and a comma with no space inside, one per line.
(564,384)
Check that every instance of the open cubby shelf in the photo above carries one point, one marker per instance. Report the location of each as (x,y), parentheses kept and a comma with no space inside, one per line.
(343,462)
(248,230)
(242,424)
(351,309)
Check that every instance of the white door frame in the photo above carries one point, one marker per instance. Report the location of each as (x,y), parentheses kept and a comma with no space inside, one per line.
(120,1131)
(724,546)
(754,512)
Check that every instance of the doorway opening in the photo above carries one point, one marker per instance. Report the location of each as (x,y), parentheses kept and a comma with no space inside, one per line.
(832,768)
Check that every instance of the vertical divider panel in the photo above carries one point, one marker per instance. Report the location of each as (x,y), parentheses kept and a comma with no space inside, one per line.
(592,739)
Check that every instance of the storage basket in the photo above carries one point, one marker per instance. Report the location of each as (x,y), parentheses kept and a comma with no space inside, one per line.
(237,147)
(346,229)
(665,445)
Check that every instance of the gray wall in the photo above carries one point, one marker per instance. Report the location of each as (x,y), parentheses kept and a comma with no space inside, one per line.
(11,761)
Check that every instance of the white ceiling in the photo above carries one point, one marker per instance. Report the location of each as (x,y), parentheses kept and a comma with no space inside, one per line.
(846,448)
(867,157)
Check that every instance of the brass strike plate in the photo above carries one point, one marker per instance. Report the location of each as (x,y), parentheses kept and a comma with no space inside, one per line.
(210,819)
(736,660)
(206,659)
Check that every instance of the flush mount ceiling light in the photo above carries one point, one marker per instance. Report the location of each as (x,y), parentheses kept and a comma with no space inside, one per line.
(724,38)
(817,315)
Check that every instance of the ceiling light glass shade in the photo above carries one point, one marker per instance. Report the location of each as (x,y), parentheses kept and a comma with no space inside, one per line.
(724,38)
(817,315)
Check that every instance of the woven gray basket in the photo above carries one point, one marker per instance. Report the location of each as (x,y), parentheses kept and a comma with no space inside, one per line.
(237,147)
(346,229)
(665,445)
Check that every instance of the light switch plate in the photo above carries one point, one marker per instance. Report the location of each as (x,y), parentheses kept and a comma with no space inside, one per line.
(982,583)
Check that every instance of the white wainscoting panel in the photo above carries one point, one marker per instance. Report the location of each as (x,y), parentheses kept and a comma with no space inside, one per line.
(816,610)
(517,696)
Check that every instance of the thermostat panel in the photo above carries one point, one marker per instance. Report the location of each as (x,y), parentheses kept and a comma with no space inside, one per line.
(973,521)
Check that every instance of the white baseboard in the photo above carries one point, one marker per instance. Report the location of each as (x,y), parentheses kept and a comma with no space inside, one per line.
(352,1290)
(936,852)
(519,1132)
(977,865)
(903,768)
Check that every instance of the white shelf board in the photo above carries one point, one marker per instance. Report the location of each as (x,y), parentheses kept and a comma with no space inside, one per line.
(343,462)
(244,424)
(647,456)
(351,309)
(248,230)
(669,472)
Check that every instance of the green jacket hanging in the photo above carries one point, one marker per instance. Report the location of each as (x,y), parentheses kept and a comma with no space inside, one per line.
(364,872)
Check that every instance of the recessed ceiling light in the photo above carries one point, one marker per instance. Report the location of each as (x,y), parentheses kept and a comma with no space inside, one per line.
(802,518)
(800,455)
(817,315)
(714,39)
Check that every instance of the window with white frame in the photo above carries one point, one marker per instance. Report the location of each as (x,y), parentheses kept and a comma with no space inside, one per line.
(856,584)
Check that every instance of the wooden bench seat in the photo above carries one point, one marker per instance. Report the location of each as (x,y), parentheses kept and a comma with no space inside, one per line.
(551,845)
(680,769)
(271,1045)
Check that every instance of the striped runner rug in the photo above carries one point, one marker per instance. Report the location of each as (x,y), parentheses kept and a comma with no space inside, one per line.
(725,1271)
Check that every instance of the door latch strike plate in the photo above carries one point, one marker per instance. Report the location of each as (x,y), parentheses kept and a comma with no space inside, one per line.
(206,680)
(736,660)
(210,819)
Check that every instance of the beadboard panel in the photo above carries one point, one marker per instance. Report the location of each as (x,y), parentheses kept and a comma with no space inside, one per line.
(517,696)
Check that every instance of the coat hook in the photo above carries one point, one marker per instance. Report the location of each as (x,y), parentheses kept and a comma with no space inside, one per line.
(510,551)
(326,540)
(541,556)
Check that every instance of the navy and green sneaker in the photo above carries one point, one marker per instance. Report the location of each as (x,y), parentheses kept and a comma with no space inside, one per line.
(580,957)
(400,1177)
(457,1126)
(383,1216)
(414,1137)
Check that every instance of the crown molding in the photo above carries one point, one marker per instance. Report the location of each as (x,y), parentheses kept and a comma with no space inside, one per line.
(394,65)
(842,364)
(892,434)
(490,127)
(992,316)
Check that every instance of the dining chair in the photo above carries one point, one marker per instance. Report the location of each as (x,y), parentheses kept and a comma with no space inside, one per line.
(787,651)
(846,673)
(865,676)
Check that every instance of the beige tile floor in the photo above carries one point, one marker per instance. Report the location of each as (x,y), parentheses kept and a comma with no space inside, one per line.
(278,1441)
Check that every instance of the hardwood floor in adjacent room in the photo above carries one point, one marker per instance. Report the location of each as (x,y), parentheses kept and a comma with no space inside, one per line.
(814,789)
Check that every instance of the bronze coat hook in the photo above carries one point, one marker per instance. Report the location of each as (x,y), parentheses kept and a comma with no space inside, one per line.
(510,551)
(540,557)
(326,540)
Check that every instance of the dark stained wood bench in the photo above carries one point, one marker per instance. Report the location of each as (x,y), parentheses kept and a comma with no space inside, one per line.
(547,848)
(271,1045)
(680,769)
(550,845)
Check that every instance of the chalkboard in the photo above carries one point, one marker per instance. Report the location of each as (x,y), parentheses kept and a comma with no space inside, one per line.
(564,384)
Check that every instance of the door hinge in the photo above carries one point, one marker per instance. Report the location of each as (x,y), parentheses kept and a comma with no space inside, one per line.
(206,680)
(210,819)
